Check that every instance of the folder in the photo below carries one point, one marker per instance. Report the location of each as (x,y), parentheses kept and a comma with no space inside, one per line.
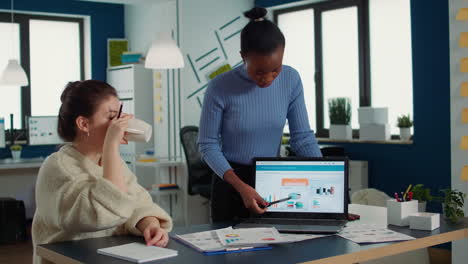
(464,143)
(464,65)
(462,14)
(157,75)
(465,116)
(464,174)
(463,41)
(464,89)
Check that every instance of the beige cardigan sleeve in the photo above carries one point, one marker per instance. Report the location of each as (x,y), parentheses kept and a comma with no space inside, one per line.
(144,206)
(83,203)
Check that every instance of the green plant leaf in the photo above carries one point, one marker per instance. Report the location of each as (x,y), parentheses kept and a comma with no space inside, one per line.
(339,111)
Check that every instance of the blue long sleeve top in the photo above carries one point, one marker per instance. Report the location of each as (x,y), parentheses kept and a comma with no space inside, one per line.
(241,121)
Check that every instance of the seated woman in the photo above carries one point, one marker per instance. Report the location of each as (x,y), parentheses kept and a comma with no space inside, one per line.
(85,189)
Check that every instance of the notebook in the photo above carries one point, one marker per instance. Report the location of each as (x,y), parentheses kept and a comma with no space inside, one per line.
(315,191)
(138,252)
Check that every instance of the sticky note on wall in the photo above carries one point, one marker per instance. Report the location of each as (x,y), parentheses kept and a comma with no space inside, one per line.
(464,65)
(462,14)
(464,89)
(465,116)
(463,41)
(464,143)
(464,174)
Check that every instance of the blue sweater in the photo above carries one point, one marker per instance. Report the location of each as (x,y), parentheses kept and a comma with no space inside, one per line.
(241,121)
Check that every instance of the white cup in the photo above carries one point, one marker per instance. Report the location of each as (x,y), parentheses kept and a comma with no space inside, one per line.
(138,130)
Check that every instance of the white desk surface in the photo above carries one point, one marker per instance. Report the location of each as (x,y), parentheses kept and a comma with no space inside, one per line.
(8,164)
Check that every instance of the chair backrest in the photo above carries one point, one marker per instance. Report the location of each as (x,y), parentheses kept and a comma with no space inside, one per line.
(199,173)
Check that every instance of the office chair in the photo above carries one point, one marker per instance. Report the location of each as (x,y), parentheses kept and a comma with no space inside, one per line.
(199,173)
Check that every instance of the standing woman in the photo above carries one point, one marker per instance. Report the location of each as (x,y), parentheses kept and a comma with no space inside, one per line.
(243,116)
(85,189)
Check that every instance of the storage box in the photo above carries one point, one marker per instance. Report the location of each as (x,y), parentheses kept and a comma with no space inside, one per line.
(341,132)
(374,132)
(399,212)
(373,115)
(424,221)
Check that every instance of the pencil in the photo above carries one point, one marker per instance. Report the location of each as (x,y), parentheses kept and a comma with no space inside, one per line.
(120,110)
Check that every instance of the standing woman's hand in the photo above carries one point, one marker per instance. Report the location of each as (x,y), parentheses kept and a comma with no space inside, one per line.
(252,200)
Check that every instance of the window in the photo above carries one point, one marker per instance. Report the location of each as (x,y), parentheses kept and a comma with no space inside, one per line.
(10,101)
(300,45)
(390,55)
(355,49)
(50,50)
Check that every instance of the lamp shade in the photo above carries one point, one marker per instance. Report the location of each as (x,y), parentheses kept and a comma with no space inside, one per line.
(14,74)
(164,54)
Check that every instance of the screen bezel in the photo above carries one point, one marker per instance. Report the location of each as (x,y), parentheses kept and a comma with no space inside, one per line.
(308,215)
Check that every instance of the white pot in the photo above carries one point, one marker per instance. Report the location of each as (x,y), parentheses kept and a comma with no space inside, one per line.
(422,207)
(16,154)
(341,132)
(405,133)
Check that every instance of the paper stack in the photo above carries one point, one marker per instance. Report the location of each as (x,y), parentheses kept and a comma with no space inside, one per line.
(229,240)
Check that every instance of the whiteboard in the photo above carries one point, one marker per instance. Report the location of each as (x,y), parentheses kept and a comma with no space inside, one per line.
(42,130)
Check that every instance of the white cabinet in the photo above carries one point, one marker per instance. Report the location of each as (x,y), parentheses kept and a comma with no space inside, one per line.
(134,87)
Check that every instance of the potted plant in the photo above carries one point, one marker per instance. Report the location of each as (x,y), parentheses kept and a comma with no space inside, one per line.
(15,151)
(423,195)
(339,110)
(405,123)
(452,205)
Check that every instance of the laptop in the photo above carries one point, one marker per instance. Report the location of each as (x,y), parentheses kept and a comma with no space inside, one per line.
(316,188)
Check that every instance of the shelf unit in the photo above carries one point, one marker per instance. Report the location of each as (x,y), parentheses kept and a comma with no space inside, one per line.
(180,193)
(134,85)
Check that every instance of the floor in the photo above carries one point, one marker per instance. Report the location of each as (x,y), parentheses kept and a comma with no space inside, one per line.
(21,253)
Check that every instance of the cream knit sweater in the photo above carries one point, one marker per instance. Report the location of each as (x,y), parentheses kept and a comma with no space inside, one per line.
(74,202)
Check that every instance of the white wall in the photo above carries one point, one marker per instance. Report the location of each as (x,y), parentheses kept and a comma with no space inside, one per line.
(459,157)
(200,20)
(18,183)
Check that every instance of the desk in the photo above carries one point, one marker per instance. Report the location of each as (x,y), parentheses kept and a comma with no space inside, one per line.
(332,249)
(8,164)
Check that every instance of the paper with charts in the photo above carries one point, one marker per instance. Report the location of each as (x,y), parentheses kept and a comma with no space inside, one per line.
(372,233)
(210,241)
(250,236)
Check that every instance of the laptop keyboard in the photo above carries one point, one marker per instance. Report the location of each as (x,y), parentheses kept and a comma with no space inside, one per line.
(296,222)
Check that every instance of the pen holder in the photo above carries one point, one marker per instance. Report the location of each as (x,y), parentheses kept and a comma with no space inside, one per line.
(398,212)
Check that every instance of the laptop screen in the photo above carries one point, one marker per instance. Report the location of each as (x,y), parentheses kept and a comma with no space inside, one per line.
(314,186)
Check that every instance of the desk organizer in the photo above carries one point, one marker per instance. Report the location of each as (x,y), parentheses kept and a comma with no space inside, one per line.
(424,221)
(398,212)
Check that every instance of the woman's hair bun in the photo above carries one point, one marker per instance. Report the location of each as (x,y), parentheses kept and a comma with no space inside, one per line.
(255,13)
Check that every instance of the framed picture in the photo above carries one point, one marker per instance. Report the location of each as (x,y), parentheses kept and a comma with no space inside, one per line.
(115,48)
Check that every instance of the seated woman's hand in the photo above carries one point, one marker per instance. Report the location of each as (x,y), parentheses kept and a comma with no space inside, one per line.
(155,235)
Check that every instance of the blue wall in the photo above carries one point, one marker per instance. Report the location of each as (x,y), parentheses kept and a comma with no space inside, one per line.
(427,161)
(107,21)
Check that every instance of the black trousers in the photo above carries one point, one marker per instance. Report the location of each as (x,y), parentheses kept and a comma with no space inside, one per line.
(226,202)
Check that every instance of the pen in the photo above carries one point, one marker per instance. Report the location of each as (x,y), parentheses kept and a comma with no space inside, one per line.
(120,110)
(279,201)
(406,193)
